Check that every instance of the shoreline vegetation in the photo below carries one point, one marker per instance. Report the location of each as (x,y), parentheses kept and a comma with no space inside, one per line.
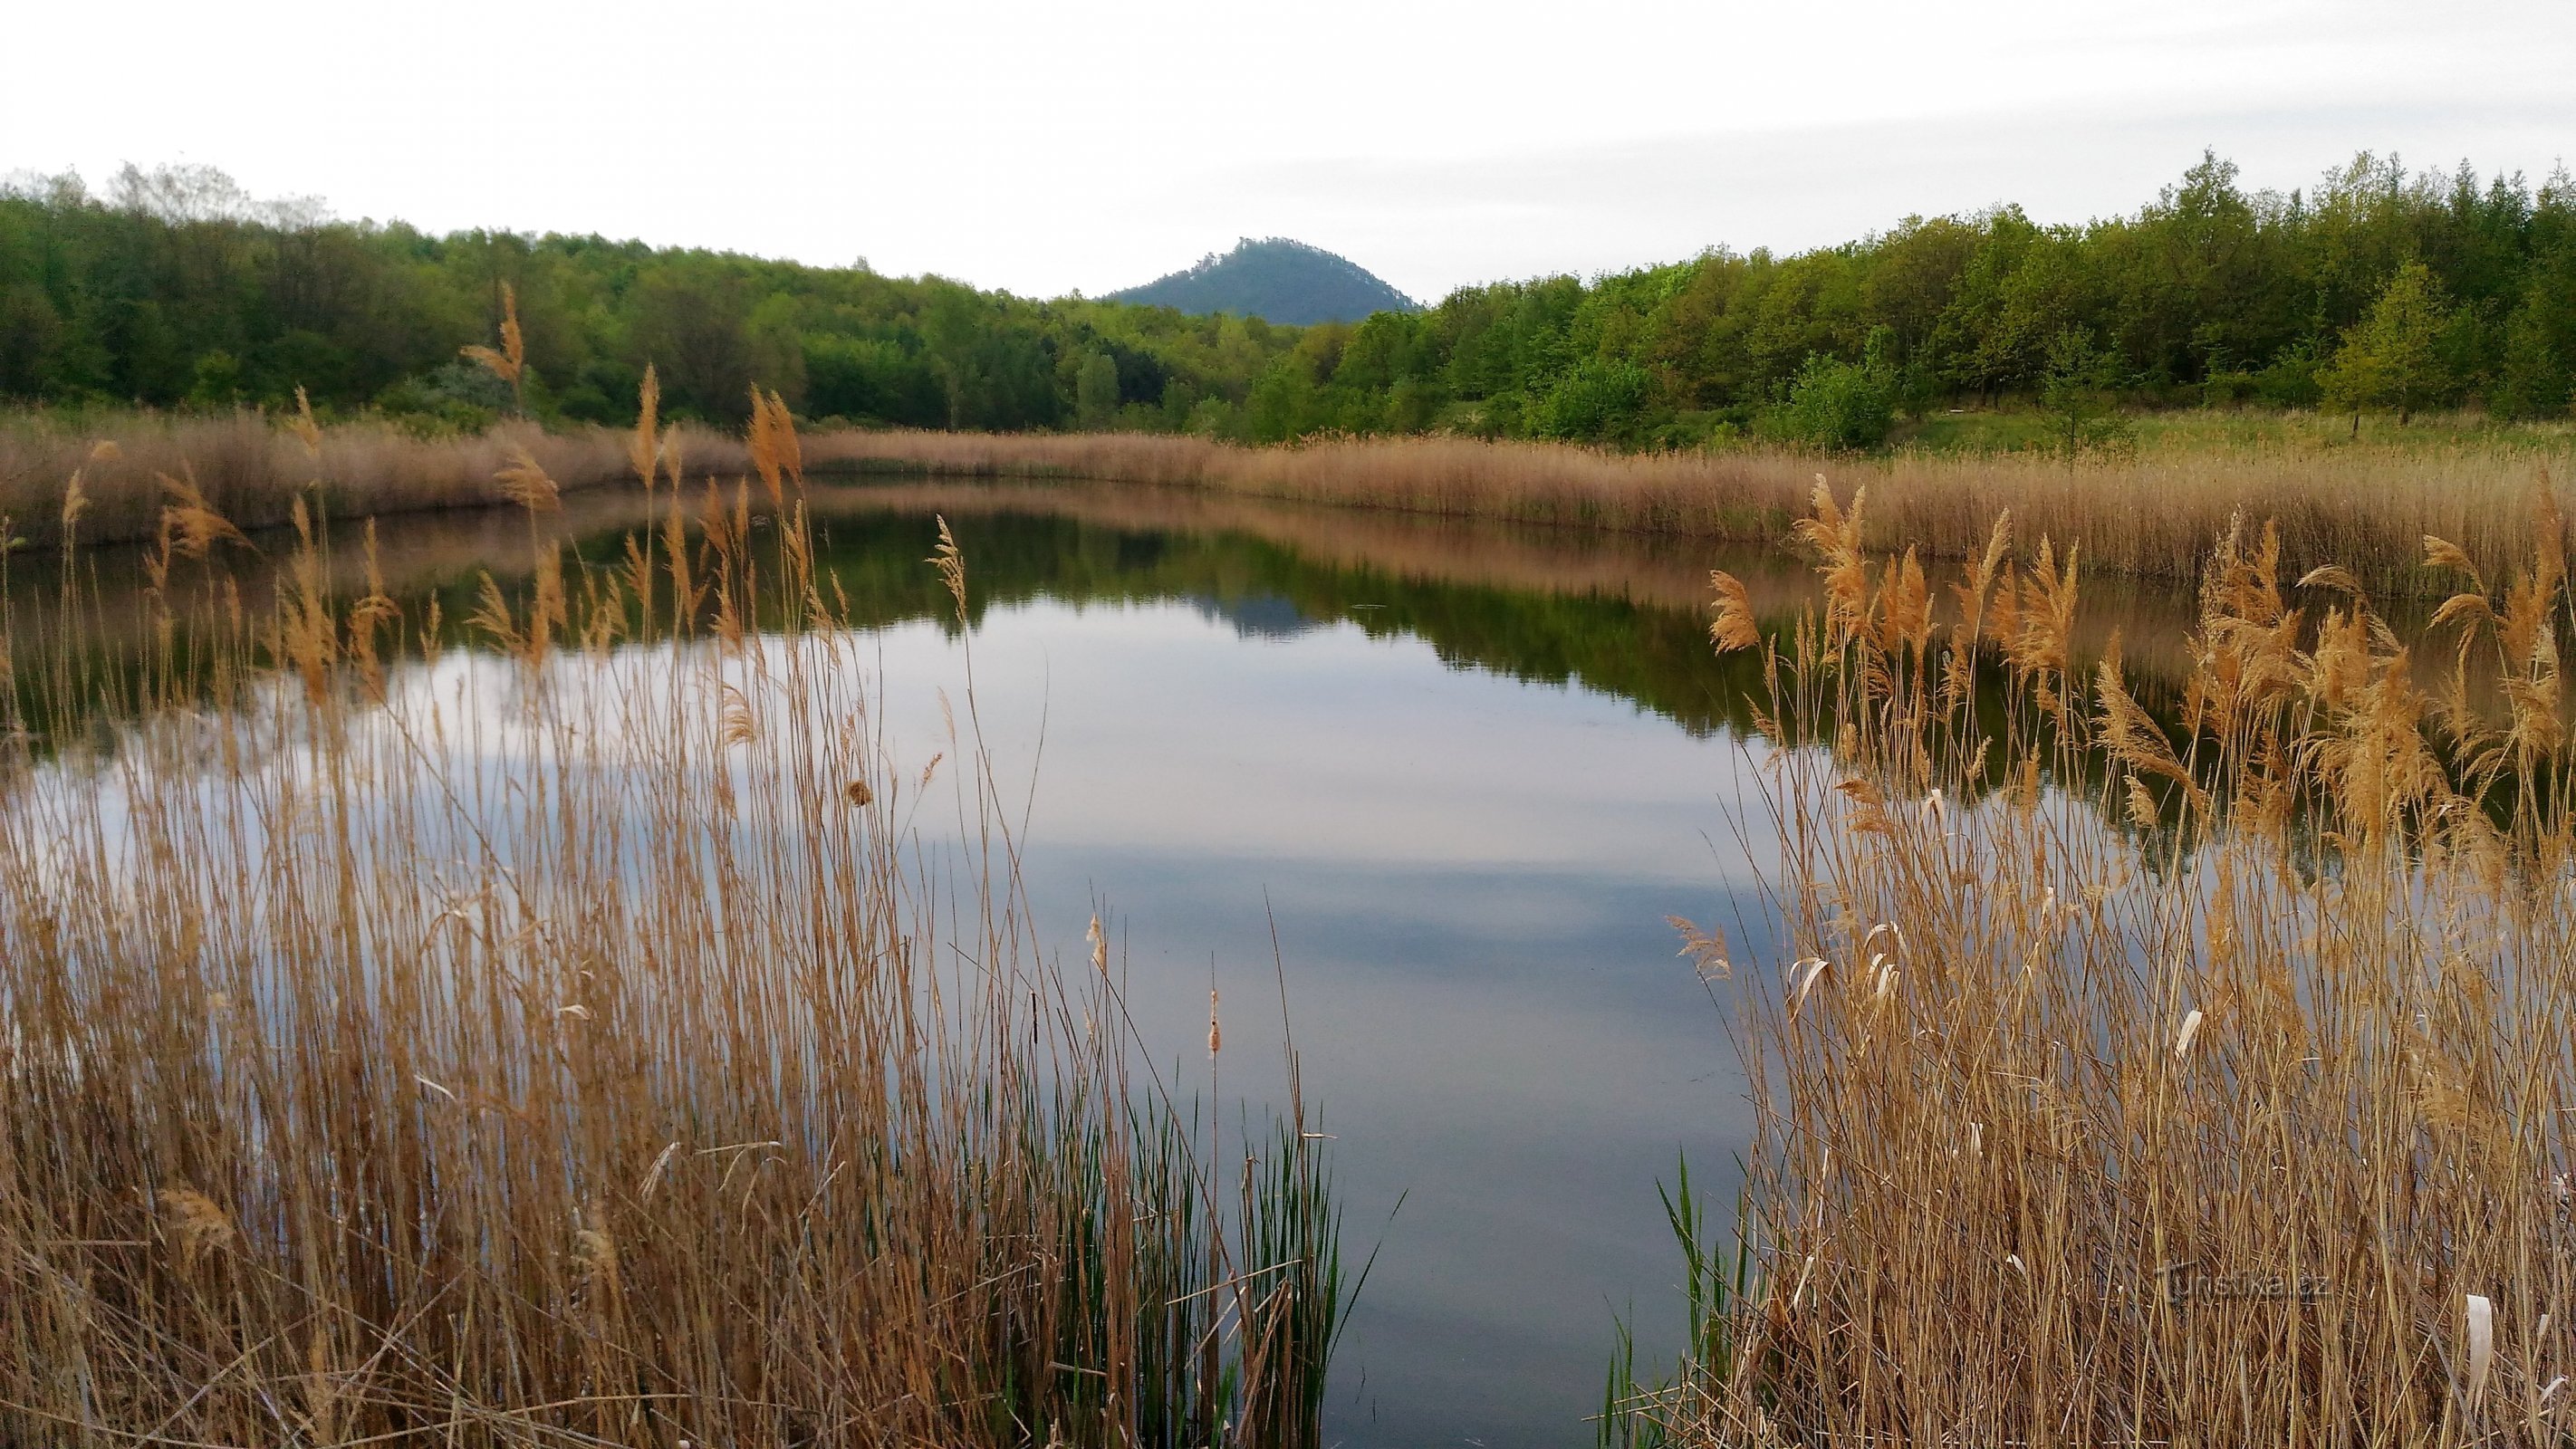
(2148,511)
(2221,1095)
(570,1042)
(2378,291)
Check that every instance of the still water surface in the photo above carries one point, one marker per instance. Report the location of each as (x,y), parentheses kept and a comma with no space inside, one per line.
(1468,848)
(1461,775)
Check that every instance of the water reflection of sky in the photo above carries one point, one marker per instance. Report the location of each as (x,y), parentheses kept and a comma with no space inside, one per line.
(1469,877)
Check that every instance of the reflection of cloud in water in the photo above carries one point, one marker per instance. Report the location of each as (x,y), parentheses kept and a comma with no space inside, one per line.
(1468,865)
(1161,731)
(1470,876)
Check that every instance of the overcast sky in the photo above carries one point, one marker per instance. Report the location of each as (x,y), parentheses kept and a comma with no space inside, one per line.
(1045,147)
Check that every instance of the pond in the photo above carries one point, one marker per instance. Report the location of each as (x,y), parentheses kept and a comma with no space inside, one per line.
(1418,796)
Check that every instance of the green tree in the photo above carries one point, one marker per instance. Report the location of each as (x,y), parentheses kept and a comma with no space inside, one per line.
(1096,392)
(1842,406)
(2532,379)
(216,381)
(2392,357)
(2079,390)
(1592,400)
(30,336)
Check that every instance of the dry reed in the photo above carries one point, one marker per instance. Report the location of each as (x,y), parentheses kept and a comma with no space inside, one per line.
(2129,1082)
(2151,515)
(252,469)
(572,1042)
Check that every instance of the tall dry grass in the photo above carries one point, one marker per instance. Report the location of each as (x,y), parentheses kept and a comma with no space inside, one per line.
(573,1041)
(2150,514)
(2225,1101)
(253,468)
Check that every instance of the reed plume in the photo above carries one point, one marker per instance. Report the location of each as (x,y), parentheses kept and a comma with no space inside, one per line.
(2140,1073)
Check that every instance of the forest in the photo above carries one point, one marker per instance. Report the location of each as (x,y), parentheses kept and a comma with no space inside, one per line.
(2379,289)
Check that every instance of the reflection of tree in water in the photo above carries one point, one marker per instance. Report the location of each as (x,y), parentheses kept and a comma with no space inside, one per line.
(1543,607)
(1656,657)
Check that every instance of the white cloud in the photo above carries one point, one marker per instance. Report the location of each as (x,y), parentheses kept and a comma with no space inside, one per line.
(1045,147)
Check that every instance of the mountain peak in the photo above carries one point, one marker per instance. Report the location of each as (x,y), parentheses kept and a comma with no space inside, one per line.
(1275,279)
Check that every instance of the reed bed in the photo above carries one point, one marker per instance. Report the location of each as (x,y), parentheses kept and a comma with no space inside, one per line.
(2126,1083)
(584,1038)
(251,468)
(2151,514)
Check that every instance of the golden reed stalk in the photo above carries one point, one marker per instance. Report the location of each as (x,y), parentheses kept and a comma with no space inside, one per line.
(2125,1078)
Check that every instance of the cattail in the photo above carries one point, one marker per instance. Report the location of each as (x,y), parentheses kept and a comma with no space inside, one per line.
(1099,942)
(1216,1037)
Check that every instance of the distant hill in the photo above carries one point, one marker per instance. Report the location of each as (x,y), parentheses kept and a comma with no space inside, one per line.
(1277,280)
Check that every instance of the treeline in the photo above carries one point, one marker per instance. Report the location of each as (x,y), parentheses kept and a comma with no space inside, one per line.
(176,289)
(2377,289)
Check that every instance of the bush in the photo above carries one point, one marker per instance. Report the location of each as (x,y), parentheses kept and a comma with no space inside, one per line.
(1842,406)
(1597,397)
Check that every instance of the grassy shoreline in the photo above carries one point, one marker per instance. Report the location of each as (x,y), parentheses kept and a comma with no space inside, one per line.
(2366,505)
